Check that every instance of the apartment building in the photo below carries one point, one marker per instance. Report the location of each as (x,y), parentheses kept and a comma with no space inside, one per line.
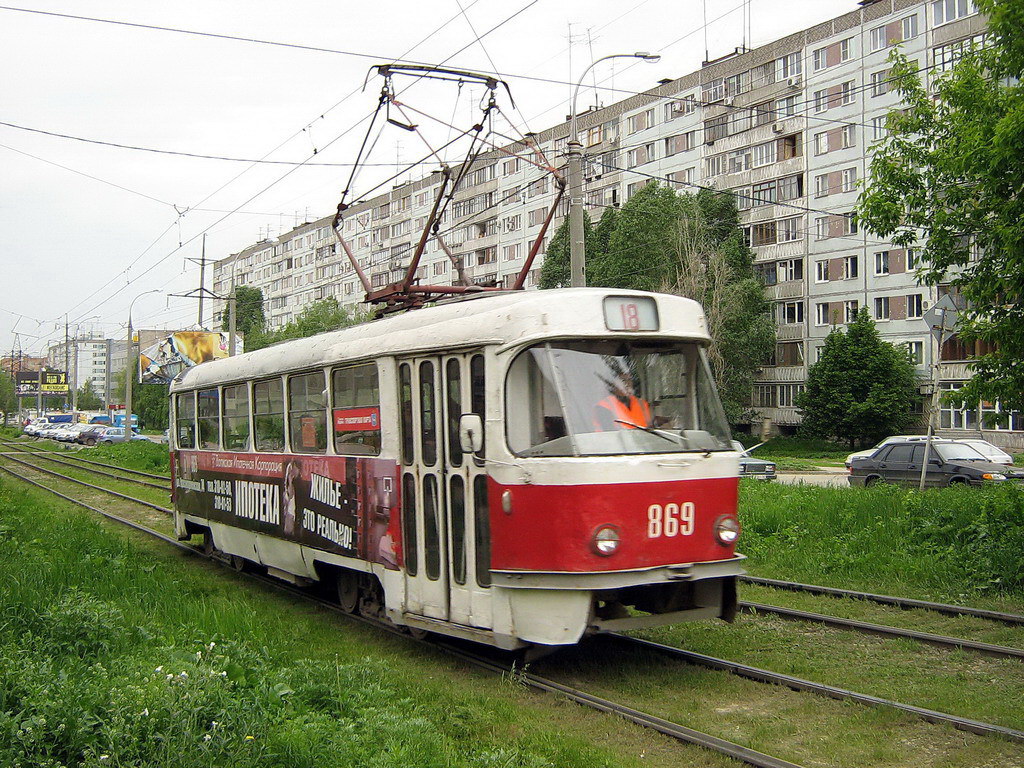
(787,128)
(88,361)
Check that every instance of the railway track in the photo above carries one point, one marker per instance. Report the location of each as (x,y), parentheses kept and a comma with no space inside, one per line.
(674,730)
(72,458)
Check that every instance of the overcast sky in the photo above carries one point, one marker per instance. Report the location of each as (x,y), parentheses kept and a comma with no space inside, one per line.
(86,228)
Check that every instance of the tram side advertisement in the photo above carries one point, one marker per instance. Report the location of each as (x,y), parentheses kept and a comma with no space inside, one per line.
(343,505)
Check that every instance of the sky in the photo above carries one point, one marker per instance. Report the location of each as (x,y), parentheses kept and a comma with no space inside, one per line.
(87,229)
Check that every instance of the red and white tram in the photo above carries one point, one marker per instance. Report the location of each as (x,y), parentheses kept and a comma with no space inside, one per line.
(516,468)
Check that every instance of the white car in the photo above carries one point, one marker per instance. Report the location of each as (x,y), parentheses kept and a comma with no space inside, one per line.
(989,451)
(69,432)
(892,439)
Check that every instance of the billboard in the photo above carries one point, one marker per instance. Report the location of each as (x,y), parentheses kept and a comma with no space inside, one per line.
(30,383)
(161,362)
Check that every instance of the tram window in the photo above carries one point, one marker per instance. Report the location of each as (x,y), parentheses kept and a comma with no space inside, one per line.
(268,407)
(235,415)
(307,414)
(482,523)
(356,413)
(453,392)
(428,415)
(208,408)
(409,523)
(477,393)
(457,496)
(185,408)
(405,392)
(431,530)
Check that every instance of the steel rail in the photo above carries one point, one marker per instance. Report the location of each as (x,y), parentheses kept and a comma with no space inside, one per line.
(906,603)
(44,455)
(157,507)
(17,446)
(666,727)
(999,651)
(829,691)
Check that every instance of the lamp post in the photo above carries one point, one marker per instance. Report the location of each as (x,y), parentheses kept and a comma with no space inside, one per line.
(129,369)
(577,277)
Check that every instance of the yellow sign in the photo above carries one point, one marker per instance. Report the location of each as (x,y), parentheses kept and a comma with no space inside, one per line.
(54,382)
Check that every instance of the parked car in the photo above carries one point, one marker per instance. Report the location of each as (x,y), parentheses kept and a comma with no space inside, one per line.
(92,435)
(949,463)
(116,435)
(991,452)
(49,431)
(33,428)
(889,440)
(751,467)
(70,431)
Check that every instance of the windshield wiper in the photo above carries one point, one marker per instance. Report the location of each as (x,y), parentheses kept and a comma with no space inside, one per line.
(664,435)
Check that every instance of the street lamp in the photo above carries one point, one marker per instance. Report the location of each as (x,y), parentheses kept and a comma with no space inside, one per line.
(577,277)
(129,372)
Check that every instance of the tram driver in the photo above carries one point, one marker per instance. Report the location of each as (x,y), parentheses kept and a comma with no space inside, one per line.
(622,408)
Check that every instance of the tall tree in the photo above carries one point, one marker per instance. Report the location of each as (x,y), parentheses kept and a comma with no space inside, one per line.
(948,176)
(318,317)
(8,396)
(711,264)
(690,245)
(88,400)
(251,318)
(861,389)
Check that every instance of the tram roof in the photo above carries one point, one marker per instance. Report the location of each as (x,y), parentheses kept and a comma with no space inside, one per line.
(506,318)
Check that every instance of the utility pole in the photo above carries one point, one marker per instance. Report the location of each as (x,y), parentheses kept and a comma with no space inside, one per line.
(130,368)
(67,352)
(577,248)
(202,280)
(201,292)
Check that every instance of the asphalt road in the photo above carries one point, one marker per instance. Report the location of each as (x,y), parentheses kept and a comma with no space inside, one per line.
(836,478)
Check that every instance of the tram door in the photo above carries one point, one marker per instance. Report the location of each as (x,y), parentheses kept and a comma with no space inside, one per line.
(445,527)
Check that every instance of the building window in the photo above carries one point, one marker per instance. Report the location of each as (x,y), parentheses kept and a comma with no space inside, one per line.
(713,91)
(821,272)
(945,57)
(850,309)
(791,312)
(680,107)
(881,308)
(912,257)
(788,392)
(822,314)
(641,121)
(851,267)
(908,27)
(790,65)
(716,165)
(849,177)
(849,137)
(764,233)
(882,263)
(877,39)
(765,154)
(915,350)
(716,128)
(791,269)
(789,353)
(788,229)
(785,107)
(915,306)
(764,396)
(945,11)
(880,83)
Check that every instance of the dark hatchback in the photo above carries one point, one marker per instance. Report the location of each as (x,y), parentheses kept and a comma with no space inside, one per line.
(949,463)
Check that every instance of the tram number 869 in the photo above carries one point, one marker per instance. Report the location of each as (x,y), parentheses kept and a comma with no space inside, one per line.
(670,520)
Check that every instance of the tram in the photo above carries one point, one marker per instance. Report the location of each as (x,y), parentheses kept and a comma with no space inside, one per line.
(517,469)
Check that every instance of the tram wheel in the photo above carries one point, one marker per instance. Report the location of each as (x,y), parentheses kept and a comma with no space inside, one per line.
(348,591)
(417,633)
(208,546)
(238,563)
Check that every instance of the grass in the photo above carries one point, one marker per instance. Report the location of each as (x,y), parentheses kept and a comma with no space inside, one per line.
(950,543)
(800,455)
(118,653)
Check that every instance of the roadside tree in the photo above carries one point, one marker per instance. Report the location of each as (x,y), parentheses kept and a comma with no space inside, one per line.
(8,398)
(861,390)
(88,400)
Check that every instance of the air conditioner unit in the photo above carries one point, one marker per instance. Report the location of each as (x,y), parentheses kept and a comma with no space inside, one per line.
(777,128)
(926,305)
(795,82)
(728,101)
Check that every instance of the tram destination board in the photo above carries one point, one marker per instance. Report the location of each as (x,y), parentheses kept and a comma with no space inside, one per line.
(343,505)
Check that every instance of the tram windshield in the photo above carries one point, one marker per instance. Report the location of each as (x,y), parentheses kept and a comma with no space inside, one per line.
(598,398)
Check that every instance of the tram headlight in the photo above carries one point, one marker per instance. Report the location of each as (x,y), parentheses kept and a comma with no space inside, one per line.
(605,541)
(727,530)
